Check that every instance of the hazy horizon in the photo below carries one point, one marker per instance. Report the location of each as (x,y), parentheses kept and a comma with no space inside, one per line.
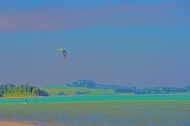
(123,42)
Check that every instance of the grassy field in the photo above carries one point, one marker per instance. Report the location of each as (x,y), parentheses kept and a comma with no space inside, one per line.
(152,112)
(54,90)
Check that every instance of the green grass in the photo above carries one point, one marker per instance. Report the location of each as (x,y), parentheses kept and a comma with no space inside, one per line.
(25,94)
(123,113)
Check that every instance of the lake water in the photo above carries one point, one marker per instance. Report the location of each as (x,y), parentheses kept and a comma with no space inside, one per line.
(133,110)
(94,98)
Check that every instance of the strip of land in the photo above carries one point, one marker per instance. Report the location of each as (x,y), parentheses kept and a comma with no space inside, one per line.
(6,123)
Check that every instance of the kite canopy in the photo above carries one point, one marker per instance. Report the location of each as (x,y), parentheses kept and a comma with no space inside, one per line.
(63,51)
(60,49)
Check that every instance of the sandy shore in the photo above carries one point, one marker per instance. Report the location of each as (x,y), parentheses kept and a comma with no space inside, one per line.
(9,123)
(6,123)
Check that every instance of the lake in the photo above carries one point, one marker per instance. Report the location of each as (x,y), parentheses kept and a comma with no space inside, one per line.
(95,98)
(99,110)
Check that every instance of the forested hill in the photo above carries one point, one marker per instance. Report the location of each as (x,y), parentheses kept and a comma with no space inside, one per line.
(10,90)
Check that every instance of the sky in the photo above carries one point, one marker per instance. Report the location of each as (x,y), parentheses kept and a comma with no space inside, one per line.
(141,43)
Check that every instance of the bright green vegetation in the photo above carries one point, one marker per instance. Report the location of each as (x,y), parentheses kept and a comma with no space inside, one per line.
(151,112)
(10,90)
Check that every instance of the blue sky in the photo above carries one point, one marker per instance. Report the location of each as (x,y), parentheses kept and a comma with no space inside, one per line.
(110,41)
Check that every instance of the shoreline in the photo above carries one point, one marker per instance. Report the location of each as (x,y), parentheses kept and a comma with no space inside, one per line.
(14,123)
(10,123)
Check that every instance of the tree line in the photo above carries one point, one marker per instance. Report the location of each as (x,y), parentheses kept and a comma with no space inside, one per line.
(127,89)
(9,90)
(153,90)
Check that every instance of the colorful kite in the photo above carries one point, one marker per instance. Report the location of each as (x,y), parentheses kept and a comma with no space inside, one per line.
(63,51)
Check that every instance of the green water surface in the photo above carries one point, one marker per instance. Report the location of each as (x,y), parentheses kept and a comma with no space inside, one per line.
(94,98)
